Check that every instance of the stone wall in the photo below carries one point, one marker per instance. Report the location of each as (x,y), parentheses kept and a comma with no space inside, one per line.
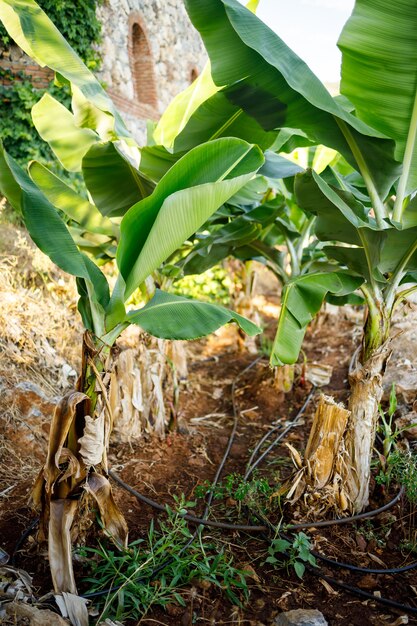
(151,52)
(19,64)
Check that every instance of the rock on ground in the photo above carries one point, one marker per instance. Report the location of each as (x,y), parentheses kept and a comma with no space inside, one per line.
(301,617)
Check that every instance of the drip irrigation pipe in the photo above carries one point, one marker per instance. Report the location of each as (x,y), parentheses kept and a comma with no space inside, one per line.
(190,518)
(363,570)
(293,423)
(317,572)
(263,528)
(29,530)
(249,527)
(348,520)
(349,588)
(370,596)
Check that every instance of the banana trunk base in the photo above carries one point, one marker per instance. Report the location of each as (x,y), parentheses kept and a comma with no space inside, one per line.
(336,469)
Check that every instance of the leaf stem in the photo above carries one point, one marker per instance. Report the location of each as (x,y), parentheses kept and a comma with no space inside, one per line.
(305,235)
(377,324)
(378,205)
(295,266)
(398,274)
(97,312)
(402,295)
(366,250)
(408,156)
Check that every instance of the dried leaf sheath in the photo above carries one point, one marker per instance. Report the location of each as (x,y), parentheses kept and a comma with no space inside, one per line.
(320,477)
(325,436)
(76,459)
(62,469)
(114,522)
(62,514)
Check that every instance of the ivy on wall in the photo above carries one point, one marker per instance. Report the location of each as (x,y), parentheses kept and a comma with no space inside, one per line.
(16,129)
(78,23)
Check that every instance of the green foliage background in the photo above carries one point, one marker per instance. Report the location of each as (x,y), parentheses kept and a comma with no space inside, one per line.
(78,22)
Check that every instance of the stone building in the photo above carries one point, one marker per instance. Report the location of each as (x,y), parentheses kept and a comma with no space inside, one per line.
(150,52)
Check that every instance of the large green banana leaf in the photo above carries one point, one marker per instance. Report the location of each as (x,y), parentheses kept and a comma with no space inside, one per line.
(155,161)
(34,32)
(218,117)
(301,300)
(56,125)
(192,190)
(399,248)
(379,73)
(341,217)
(46,228)
(277,167)
(272,84)
(174,317)
(219,245)
(203,113)
(339,214)
(87,115)
(114,183)
(224,240)
(69,201)
(110,168)
(355,259)
(179,111)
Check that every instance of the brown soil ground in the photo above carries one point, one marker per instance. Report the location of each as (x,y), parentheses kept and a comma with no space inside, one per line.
(187,458)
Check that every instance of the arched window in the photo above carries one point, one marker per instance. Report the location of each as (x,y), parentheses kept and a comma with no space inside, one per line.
(141,63)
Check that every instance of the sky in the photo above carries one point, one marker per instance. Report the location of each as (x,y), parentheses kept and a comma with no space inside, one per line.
(311,28)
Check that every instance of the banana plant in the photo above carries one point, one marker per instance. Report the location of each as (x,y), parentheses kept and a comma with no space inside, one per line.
(263,222)
(367,216)
(128,214)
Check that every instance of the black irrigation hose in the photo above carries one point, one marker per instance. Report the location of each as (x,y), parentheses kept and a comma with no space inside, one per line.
(263,528)
(347,520)
(317,572)
(363,570)
(251,466)
(23,538)
(351,589)
(250,527)
(370,596)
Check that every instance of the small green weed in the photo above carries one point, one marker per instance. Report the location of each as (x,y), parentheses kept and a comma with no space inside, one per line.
(378,534)
(202,560)
(296,554)
(255,493)
(389,433)
(402,468)
(409,545)
(396,465)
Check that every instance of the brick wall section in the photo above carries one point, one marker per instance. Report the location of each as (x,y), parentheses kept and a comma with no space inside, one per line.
(40,77)
(141,62)
(135,108)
